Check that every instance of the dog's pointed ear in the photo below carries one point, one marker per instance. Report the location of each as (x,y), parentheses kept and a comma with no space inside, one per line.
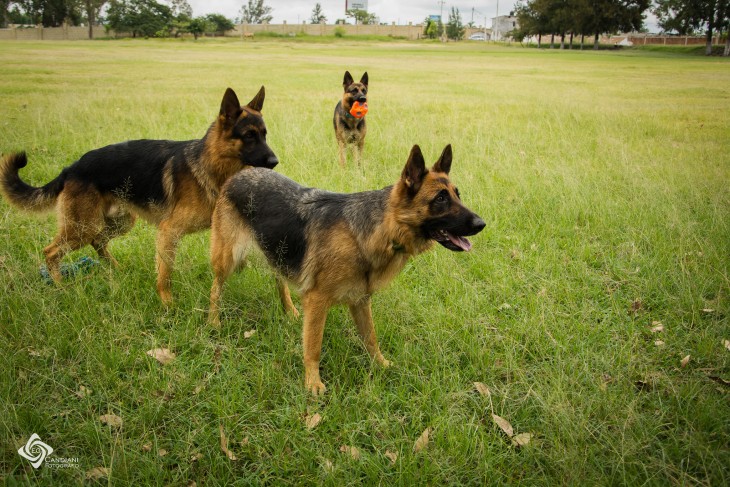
(230,107)
(444,162)
(347,81)
(364,79)
(258,101)
(415,170)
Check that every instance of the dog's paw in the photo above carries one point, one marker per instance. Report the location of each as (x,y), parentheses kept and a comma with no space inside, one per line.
(316,388)
(293,312)
(385,363)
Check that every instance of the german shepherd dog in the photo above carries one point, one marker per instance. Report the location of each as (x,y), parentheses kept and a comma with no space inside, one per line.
(169,183)
(350,131)
(336,248)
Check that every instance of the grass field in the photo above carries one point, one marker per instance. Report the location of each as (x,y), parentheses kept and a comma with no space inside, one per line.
(604,179)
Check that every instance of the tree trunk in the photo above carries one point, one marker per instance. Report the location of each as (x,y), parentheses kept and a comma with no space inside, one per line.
(552,40)
(571,41)
(562,40)
(595,42)
(726,53)
(708,46)
(582,39)
(539,41)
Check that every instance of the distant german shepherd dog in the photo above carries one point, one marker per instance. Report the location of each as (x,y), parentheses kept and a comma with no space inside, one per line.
(350,131)
(336,248)
(171,184)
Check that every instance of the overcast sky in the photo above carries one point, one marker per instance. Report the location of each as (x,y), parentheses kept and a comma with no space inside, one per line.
(401,12)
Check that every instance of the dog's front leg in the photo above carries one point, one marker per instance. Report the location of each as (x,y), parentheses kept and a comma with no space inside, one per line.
(315,313)
(167,239)
(363,316)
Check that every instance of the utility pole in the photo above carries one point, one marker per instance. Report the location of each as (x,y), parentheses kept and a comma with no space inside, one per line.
(496,24)
(441,16)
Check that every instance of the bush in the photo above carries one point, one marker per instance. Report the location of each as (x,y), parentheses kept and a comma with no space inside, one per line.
(339,32)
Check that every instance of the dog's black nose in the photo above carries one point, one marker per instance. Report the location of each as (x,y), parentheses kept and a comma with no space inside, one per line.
(362,99)
(477,224)
(271,162)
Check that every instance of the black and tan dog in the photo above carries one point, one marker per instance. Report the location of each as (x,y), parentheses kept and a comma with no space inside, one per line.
(169,183)
(349,130)
(336,248)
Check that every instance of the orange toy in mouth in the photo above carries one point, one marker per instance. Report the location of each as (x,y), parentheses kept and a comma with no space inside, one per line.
(359,110)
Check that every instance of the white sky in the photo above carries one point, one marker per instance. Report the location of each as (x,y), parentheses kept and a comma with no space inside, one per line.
(401,12)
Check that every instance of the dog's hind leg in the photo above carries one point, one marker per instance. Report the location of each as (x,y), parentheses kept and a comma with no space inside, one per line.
(285,297)
(115,226)
(363,316)
(80,219)
(341,144)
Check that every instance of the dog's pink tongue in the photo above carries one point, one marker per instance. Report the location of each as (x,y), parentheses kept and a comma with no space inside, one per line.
(460,242)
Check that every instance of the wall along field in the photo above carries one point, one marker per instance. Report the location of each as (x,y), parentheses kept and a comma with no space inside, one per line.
(604,181)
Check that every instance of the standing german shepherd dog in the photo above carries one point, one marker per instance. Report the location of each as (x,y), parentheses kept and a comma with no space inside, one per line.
(350,131)
(336,248)
(171,184)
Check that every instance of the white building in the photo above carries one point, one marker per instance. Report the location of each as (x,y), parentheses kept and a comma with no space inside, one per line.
(502,25)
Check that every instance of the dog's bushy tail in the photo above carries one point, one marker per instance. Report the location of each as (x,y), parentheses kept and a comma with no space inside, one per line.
(21,194)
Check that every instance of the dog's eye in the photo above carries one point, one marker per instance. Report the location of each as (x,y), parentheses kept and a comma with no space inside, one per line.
(249,136)
(441,198)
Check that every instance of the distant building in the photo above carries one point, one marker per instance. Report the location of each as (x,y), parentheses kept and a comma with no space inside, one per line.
(502,25)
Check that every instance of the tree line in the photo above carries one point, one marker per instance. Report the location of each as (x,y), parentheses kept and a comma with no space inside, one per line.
(593,18)
(141,18)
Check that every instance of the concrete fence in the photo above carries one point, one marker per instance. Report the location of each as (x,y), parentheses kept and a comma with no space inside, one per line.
(65,33)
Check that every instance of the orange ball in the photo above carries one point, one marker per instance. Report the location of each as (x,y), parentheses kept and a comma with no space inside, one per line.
(359,110)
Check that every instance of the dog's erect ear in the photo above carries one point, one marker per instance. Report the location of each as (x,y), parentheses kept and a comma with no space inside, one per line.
(364,79)
(415,170)
(230,107)
(444,162)
(258,101)
(347,81)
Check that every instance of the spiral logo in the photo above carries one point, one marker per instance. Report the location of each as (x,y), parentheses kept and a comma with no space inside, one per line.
(35,451)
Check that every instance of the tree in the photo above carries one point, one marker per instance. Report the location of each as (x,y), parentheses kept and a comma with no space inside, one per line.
(140,17)
(686,16)
(317,15)
(181,8)
(92,9)
(432,29)
(218,24)
(197,26)
(255,12)
(454,28)
(361,16)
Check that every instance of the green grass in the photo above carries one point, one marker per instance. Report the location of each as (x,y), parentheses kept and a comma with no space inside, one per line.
(603,178)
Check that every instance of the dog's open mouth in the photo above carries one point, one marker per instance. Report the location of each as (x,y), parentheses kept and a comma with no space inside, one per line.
(451,241)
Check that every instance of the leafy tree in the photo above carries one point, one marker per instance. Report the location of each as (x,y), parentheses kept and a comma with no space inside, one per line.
(317,15)
(218,24)
(181,8)
(686,16)
(454,28)
(197,26)
(92,9)
(361,16)
(432,29)
(255,12)
(140,17)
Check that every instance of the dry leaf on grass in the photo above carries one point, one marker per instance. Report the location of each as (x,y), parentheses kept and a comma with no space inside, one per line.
(147,447)
(719,380)
(328,466)
(726,343)
(422,441)
(685,361)
(224,445)
(97,473)
(656,327)
(111,420)
(708,310)
(161,452)
(351,450)
(659,343)
(312,421)
(392,456)
(196,457)
(522,439)
(162,355)
(635,307)
(503,425)
(249,333)
(482,389)
(83,392)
